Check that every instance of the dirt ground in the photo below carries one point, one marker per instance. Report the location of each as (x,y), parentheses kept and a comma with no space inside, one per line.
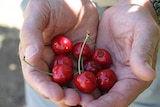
(11,79)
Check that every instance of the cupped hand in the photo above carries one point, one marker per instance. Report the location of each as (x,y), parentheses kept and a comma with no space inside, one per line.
(130,33)
(43,20)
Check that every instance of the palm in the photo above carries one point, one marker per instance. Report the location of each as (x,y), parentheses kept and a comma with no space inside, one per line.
(52,18)
(120,33)
(62,17)
(117,36)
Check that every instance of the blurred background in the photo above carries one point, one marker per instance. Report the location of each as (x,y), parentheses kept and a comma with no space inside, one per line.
(11,79)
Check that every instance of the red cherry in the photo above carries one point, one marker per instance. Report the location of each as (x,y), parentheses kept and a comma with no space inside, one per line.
(85,82)
(92,66)
(62,59)
(62,74)
(103,57)
(86,53)
(61,44)
(106,78)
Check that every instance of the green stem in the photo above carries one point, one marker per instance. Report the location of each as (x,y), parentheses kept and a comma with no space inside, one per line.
(37,69)
(82,67)
(80,55)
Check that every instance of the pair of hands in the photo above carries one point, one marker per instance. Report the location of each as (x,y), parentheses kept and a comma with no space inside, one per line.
(128,32)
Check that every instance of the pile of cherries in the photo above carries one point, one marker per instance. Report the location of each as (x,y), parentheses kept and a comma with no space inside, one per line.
(93,68)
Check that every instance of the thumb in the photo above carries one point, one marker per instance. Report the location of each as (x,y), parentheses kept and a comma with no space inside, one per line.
(143,54)
(31,39)
(31,44)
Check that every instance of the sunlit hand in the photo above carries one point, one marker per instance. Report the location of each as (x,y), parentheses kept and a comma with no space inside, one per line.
(131,35)
(44,19)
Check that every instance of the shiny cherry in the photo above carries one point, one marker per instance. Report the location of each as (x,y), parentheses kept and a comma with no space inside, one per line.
(61,44)
(62,74)
(86,53)
(106,78)
(62,59)
(103,57)
(92,66)
(85,82)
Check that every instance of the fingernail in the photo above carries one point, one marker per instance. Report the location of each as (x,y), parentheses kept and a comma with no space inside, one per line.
(149,66)
(31,51)
(150,75)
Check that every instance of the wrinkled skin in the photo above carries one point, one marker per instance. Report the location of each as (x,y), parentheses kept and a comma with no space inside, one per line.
(44,19)
(132,39)
(130,36)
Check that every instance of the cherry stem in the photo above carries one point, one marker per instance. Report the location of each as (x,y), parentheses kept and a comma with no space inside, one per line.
(37,69)
(82,67)
(80,55)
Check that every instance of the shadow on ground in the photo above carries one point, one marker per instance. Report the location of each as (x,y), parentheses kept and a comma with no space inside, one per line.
(11,79)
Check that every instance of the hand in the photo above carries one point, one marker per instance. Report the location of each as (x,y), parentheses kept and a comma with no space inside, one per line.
(44,19)
(131,35)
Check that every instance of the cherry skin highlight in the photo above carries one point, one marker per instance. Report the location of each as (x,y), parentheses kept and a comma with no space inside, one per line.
(62,59)
(86,53)
(61,44)
(62,74)
(103,57)
(85,82)
(106,78)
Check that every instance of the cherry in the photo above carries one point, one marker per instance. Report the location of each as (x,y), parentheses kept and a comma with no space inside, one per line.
(92,70)
(92,66)
(86,53)
(103,57)
(61,44)
(62,74)
(106,78)
(62,59)
(85,82)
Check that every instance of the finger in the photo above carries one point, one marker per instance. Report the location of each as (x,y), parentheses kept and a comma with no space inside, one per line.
(32,44)
(121,95)
(85,99)
(62,104)
(143,52)
(72,98)
(48,56)
(31,33)
(42,83)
